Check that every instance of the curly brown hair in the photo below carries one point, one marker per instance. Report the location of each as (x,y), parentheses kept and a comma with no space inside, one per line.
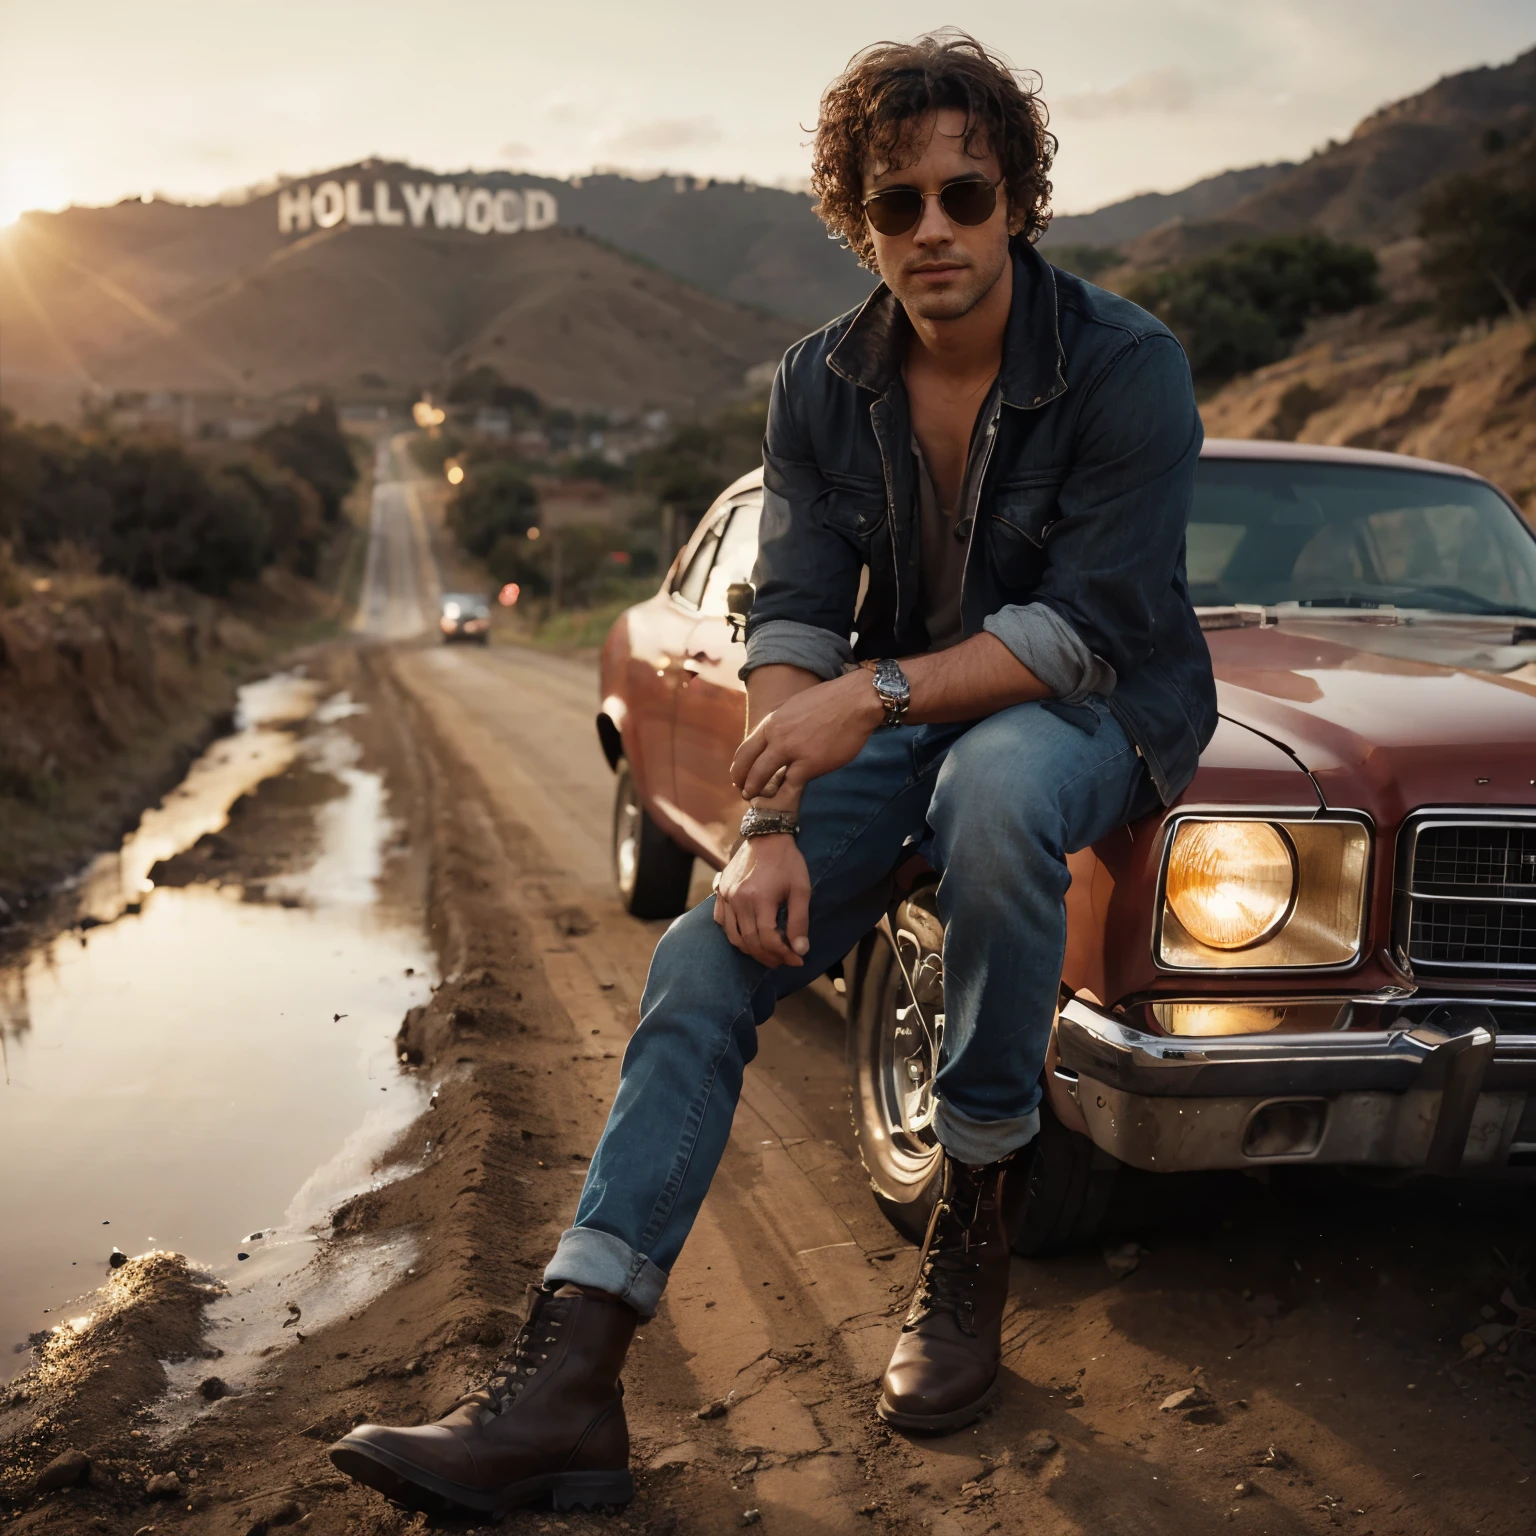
(870,111)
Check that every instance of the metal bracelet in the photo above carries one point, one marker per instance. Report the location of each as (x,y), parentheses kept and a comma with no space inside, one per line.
(758,823)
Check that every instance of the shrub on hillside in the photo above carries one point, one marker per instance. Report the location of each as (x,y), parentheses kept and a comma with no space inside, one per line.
(1243,308)
(313,446)
(1480,234)
(150,511)
(701,458)
(1086,261)
(495,501)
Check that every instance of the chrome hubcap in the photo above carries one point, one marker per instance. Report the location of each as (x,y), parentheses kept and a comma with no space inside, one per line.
(910,1043)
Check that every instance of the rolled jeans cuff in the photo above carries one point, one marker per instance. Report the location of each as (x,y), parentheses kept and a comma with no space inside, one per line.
(586,1256)
(975,1142)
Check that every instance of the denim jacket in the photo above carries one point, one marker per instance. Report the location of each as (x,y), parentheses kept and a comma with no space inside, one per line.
(1077,546)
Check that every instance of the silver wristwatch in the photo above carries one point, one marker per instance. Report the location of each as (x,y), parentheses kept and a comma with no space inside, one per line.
(893,689)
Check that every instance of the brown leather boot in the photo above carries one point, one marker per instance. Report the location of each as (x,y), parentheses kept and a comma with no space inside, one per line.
(551,1421)
(946,1361)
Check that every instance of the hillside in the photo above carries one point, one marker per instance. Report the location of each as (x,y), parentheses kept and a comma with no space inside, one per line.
(1367,189)
(1472,403)
(1117,223)
(158,296)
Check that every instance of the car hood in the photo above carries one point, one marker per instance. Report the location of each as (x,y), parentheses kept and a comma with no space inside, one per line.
(1389,715)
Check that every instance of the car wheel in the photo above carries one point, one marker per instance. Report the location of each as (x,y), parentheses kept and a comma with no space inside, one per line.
(893,1049)
(652,872)
(892,1056)
(1066,1192)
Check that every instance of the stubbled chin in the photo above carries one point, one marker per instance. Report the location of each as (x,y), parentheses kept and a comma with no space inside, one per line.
(941,304)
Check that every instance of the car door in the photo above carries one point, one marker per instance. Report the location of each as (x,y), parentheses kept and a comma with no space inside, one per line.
(711,698)
(659,631)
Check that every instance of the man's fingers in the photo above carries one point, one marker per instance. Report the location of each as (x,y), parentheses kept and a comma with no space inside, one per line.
(770,762)
(797,926)
(746,755)
(727,920)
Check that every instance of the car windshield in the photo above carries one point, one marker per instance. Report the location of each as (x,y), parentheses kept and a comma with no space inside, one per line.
(1356,536)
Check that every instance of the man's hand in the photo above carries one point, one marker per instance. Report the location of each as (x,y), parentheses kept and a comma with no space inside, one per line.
(808,735)
(764,874)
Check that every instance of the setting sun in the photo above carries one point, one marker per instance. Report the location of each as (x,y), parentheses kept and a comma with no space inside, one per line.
(22,188)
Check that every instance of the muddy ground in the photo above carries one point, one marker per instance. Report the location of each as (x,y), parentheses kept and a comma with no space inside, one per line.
(1328,1326)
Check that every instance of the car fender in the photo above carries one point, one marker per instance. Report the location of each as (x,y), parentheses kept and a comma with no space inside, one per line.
(612,715)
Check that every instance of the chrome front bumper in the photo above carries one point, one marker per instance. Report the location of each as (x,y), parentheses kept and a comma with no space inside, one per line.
(1441,1097)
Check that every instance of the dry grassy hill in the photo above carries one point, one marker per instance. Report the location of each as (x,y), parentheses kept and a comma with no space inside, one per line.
(1471,402)
(159,296)
(1367,188)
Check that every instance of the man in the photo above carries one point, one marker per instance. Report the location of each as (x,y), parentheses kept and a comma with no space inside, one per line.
(1002,456)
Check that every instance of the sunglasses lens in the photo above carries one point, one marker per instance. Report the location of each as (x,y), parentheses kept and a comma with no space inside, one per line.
(896,211)
(969,202)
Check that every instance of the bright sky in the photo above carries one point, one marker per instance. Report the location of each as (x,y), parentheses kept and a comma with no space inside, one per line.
(100,99)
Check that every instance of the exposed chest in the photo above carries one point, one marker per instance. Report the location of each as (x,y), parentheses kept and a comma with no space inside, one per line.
(944,416)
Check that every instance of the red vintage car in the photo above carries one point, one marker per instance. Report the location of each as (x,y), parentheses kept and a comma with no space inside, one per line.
(1324,953)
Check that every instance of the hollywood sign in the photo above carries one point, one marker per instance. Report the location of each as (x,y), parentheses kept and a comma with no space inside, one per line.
(480,210)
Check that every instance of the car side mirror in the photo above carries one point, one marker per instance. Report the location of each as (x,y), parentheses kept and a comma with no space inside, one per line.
(738,604)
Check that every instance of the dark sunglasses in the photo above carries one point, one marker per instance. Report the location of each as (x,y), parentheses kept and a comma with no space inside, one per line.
(897,210)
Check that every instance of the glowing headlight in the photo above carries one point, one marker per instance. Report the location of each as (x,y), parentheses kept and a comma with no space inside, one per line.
(450,610)
(1230,883)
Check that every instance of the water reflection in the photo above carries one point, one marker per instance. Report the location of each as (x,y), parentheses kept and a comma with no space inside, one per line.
(206,1067)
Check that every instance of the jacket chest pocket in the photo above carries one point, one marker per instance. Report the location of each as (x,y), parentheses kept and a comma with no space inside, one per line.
(1018,526)
(853,507)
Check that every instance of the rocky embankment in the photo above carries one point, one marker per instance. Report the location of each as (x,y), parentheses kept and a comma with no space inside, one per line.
(1470,402)
(106,693)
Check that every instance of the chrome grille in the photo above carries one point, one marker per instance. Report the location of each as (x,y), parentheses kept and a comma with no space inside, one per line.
(1469,899)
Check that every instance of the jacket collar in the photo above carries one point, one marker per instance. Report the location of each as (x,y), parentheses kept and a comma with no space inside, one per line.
(1034,361)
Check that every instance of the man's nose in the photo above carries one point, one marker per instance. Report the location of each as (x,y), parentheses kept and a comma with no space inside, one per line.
(934,227)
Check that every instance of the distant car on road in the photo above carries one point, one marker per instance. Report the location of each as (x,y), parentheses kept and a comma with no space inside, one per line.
(1324,953)
(465,617)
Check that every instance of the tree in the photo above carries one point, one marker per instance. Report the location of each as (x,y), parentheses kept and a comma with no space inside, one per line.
(315,448)
(1244,307)
(701,458)
(1086,261)
(1480,237)
(152,512)
(495,500)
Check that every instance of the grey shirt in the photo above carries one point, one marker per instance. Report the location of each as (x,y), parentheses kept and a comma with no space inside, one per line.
(943,540)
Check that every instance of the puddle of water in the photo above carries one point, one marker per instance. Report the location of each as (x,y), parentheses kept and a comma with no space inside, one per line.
(209,1067)
(263,744)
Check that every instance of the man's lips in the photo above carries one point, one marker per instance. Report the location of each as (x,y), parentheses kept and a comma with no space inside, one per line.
(937,270)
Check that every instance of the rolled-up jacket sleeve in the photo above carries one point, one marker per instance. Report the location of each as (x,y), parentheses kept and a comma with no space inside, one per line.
(1052,650)
(789,643)
(1121,517)
(807,572)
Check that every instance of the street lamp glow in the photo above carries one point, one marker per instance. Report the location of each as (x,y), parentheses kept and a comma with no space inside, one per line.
(455,473)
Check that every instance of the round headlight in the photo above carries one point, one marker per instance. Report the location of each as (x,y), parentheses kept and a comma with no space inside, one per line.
(1230,882)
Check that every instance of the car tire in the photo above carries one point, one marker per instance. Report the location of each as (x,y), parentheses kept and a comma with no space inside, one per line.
(651,871)
(1067,1190)
(891,1122)
(891,1063)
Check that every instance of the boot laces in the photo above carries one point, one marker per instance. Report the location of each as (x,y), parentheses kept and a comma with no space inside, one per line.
(530,1349)
(952,1257)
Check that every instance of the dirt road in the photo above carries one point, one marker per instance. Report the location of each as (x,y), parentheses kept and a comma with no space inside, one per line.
(1325,1325)
(1320,1321)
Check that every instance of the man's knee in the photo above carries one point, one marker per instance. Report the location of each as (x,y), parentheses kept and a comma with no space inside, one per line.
(997,787)
(694,961)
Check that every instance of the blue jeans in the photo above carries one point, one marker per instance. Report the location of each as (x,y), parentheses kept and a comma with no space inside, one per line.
(997,806)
